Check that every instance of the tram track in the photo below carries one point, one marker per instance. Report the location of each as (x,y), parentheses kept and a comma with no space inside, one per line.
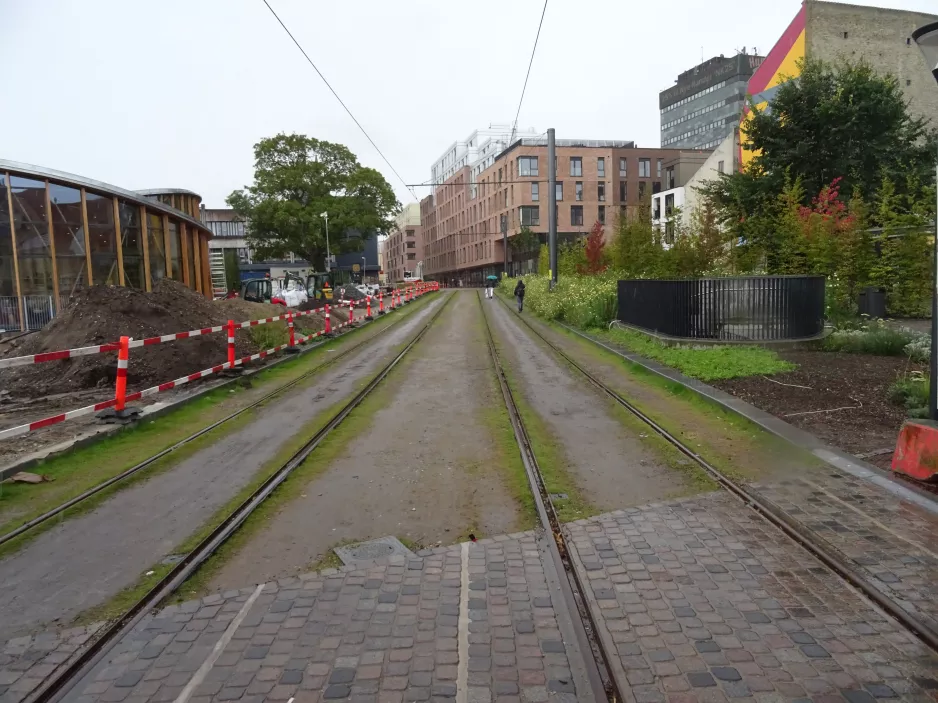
(817,547)
(35,522)
(55,687)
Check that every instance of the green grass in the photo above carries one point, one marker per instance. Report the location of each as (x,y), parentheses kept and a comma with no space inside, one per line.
(82,468)
(704,363)
(911,391)
(871,338)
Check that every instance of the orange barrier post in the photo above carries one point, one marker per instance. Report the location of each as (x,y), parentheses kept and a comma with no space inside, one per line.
(380,303)
(328,331)
(123,356)
(231,340)
(351,313)
(292,348)
(368,308)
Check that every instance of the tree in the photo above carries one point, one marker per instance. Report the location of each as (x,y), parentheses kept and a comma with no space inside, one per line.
(524,242)
(594,251)
(232,270)
(835,121)
(296,178)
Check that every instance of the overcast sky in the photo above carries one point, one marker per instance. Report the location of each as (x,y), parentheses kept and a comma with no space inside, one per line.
(175,93)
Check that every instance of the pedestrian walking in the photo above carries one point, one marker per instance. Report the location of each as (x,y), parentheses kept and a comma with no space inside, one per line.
(519,294)
(490,282)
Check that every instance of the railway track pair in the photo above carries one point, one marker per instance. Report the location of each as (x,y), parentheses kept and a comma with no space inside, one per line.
(57,686)
(751,499)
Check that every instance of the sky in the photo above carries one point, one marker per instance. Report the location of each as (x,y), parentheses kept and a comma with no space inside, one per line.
(175,93)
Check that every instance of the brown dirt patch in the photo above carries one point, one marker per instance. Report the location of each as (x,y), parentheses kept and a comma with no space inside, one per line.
(101,314)
(858,382)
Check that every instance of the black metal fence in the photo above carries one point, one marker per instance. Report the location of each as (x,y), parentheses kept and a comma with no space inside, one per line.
(749,308)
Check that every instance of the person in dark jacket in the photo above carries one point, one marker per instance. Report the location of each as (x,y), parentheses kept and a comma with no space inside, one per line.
(519,294)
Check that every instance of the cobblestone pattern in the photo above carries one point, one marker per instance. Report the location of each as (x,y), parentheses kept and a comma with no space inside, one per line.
(894,543)
(26,661)
(706,602)
(387,633)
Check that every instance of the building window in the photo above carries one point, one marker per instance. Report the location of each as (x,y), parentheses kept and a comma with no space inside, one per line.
(410,233)
(641,189)
(601,167)
(411,245)
(669,204)
(669,232)
(579,191)
(535,192)
(656,209)
(530,216)
(623,166)
(656,187)
(576,215)
(669,177)
(527,165)
(411,257)
(720,167)
(499,176)
(602,214)
(660,161)
(644,168)
(576,166)
(623,191)
(558,191)
(601,192)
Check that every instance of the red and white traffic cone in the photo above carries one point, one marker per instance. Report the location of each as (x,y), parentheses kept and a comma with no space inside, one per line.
(351,313)
(328,330)
(368,308)
(380,303)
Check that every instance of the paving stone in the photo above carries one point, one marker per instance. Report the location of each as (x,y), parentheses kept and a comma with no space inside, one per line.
(342,676)
(336,691)
(701,679)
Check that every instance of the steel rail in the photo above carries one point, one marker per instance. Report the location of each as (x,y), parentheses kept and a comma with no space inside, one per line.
(57,686)
(824,552)
(48,515)
(601,673)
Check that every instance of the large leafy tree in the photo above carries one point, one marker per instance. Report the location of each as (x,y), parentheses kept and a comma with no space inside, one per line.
(835,121)
(296,178)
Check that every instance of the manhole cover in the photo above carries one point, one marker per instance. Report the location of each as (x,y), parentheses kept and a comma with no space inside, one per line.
(559,496)
(372,550)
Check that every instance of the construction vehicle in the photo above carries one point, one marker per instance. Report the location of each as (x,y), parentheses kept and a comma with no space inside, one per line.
(287,290)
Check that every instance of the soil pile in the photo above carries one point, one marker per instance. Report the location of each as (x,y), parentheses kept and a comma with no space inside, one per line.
(101,314)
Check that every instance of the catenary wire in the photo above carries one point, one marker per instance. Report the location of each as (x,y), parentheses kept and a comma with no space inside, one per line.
(315,68)
(540,24)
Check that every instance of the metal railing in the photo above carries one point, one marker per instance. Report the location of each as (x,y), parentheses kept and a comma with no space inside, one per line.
(35,312)
(739,309)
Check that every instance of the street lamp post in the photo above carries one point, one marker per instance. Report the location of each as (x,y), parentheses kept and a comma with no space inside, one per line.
(927,40)
(325,215)
(364,265)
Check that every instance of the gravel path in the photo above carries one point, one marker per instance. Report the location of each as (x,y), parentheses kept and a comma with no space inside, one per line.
(609,463)
(87,560)
(423,470)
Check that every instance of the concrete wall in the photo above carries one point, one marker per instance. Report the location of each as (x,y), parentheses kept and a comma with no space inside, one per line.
(727,153)
(880,37)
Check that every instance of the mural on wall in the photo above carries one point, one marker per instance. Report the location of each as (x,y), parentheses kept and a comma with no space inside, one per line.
(780,66)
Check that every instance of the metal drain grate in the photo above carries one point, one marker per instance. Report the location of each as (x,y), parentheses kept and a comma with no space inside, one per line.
(372,550)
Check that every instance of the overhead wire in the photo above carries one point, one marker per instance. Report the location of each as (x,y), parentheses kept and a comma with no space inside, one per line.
(341,102)
(528,74)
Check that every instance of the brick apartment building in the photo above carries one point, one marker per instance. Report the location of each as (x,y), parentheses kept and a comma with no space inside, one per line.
(403,248)
(596,180)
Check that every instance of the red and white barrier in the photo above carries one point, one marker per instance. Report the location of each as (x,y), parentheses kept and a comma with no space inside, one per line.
(125,344)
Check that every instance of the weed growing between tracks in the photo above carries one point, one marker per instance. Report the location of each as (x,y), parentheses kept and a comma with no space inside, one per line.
(83,468)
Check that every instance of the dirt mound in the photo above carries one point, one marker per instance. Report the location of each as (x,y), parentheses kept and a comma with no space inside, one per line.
(101,314)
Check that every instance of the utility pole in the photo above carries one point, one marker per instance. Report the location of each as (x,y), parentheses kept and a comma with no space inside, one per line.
(505,243)
(325,215)
(552,205)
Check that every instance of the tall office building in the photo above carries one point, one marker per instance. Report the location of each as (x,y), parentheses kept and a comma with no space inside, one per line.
(704,105)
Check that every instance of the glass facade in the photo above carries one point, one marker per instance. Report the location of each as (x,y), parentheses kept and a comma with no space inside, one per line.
(58,234)
(131,245)
(156,246)
(102,239)
(31,228)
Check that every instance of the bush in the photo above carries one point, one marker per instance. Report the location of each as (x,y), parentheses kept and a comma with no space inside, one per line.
(919,349)
(582,301)
(911,391)
(870,338)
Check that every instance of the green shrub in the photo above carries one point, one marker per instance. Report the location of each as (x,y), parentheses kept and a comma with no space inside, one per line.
(870,338)
(269,336)
(911,391)
(582,301)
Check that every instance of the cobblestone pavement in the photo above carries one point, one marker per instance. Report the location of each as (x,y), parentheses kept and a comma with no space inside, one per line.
(474,617)
(704,601)
(892,542)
